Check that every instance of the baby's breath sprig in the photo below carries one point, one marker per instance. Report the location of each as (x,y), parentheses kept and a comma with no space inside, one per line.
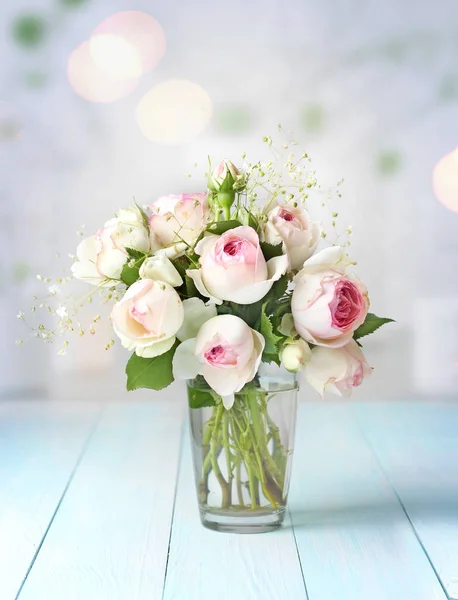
(289,177)
(55,314)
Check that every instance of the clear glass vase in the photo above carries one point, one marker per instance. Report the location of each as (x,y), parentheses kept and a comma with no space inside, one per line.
(242,456)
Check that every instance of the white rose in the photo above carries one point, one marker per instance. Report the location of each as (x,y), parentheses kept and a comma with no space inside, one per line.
(291,225)
(295,355)
(102,256)
(177,221)
(337,370)
(148,317)
(226,352)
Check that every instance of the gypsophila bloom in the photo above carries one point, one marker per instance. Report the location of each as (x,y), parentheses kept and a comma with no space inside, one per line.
(53,290)
(62,312)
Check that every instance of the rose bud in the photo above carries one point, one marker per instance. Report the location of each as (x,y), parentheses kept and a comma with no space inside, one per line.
(295,355)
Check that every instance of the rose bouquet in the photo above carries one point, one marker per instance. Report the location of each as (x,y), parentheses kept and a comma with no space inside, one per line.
(208,288)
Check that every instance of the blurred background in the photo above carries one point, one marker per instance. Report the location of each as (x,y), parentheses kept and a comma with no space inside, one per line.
(102,101)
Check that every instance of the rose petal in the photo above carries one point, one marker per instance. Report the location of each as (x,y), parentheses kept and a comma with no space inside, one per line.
(160,268)
(333,257)
(155,349)
(173,251)
(196,313)
(206,243)
(196,276)
(250,294)
(185,364)
(224,381)
(228,401)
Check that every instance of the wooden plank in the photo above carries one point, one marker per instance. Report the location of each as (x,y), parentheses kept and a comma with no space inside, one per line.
(110,538)
(353,537)
(40,443)
(204,564)
(417,445)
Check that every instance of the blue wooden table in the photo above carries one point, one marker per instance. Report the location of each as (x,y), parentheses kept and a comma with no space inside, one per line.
(97,503)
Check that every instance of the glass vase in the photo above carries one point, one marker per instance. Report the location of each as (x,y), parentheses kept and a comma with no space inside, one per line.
(242,456)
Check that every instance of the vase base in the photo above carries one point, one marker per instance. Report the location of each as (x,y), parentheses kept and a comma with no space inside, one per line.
(242,521)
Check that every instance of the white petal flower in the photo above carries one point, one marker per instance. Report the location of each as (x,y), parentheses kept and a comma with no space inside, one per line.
(196,313)
(160,268)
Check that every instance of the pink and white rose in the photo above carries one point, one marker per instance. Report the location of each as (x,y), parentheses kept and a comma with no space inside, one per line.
(226,351)
(233,268)
(292,226)
(101,257)
(328,303)
(177,221)
(337,370)
(148,317)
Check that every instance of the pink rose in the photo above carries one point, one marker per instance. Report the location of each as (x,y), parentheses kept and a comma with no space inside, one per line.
(226,352)
(177,222)
(327,303)
(291,225)
(233,267)
(337,370)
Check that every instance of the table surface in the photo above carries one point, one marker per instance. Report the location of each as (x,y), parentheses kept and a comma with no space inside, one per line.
(97,503)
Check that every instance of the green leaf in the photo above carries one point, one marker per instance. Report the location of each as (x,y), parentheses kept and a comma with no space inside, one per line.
(130,272)
(268,332)
(271,250)
(152,373)
(271,358)
(199,398)
(134,253)
(222,226)
(190,287)
(276,293)
(371,324)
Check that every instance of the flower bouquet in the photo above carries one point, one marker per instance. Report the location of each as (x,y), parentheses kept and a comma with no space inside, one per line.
(227,290)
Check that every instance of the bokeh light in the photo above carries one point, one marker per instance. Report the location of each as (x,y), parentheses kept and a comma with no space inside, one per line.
(445,180)
(91,82)
(174,112)
(141,31)
(10,123)
(115,56)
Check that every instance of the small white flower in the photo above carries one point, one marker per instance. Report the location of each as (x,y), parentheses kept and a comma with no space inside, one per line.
(53,290)
(62,311)
(20,315)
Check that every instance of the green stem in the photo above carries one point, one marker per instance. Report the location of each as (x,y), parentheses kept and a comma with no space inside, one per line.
(252,481)
(227,449)
(206,457)
(226,500)
(238,479)
(270,474)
